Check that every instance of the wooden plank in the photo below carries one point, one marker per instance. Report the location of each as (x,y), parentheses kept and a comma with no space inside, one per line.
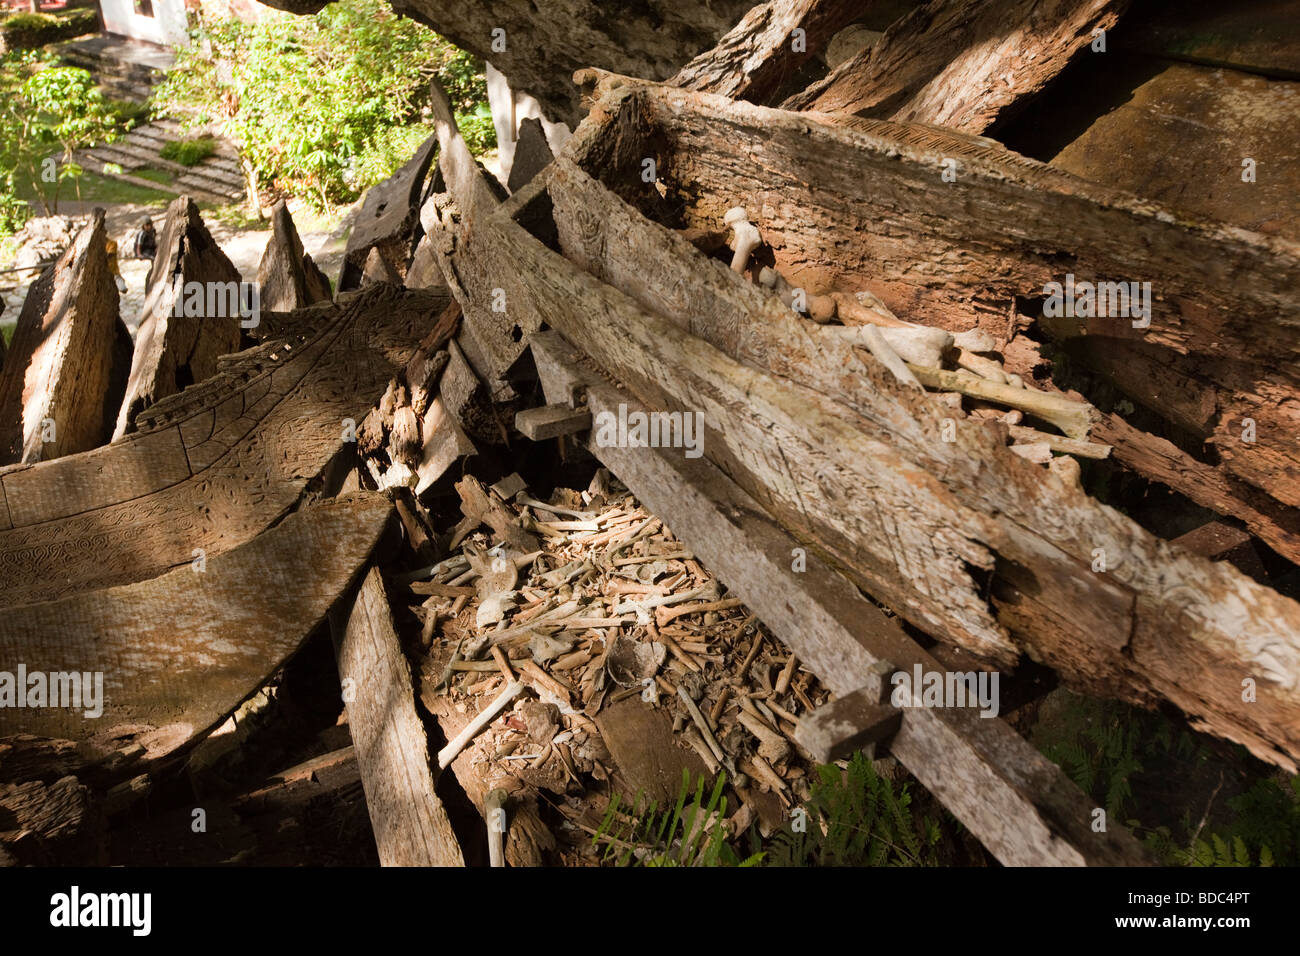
(69,360)
(216,464)
(174,350)
(921,523)
(756,56)
(551,421)
(287,278)
(1180,138)
(1019,804)
(388,219)
(410,823)
(961,63)
(178,653)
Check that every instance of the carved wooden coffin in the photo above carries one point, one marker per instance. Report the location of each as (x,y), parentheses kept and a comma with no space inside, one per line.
(214,465)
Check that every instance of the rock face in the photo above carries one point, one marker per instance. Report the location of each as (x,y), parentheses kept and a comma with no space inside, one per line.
(173,351)
(66,373)
(287,278)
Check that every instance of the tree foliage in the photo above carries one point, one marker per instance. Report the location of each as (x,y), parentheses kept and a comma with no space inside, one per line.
(321,107)
(47,113)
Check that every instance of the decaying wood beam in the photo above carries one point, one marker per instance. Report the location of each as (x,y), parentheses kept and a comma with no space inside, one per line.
(851,723)
(945,516)
(67,367)
(178,343)
(1019,804)
(551,421)
(961,63)
(410,823)
(759,53)
(287,278)
(1207,356)
(218,463)
(538,47)
(175,655)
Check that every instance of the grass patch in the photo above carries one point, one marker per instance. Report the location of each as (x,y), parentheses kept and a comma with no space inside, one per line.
(109,192)
(236,215)
(189,152)
(7,330)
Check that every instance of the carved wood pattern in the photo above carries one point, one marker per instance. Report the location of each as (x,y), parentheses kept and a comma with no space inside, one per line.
(213,465)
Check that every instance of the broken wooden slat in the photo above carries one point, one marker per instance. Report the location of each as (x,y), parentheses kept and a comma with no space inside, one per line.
(178,341)
(178,653)
(287,278)
(477,503)
(67,367)
(759,53)
(1024,809)
(961,63)
(410,823)
(551,421)
(214,465)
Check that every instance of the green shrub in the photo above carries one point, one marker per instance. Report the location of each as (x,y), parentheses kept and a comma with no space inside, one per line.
(855,817)
(189,152)
(322,107)
(30,31)
(47,113)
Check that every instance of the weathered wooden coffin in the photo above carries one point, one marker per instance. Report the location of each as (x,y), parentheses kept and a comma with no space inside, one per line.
(963,539)
(214,465)
(176,654)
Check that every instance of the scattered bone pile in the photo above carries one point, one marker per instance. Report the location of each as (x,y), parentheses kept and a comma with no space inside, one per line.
(613,628)
(962,367)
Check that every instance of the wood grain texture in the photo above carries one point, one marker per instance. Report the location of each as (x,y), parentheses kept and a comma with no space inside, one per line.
(70,357)
(756,56)
(178,653)
(216,464)
(387,222)
(1019,804)
(959,254)
(410,823)
(855,467)
(173,351)
(287,278)
(542,45)
(961,63)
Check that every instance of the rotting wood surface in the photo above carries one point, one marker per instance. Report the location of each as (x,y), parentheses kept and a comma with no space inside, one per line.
(213,466)
(179,652)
